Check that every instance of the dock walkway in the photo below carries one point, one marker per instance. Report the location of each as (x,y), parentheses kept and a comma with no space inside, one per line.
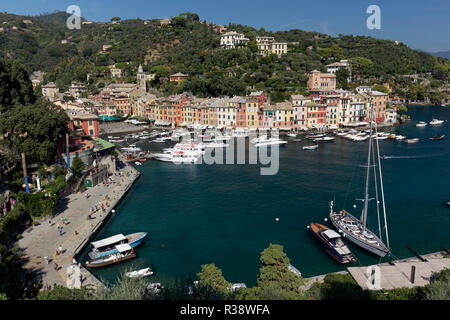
(43,240)
(398,275)
(393,276)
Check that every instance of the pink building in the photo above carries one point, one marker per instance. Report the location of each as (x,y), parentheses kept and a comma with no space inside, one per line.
(320,81)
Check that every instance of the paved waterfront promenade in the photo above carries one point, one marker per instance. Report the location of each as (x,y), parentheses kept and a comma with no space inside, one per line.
(120,127)
(394,276)
(44,239)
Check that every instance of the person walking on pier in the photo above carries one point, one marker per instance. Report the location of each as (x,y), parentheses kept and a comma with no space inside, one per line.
(46,259)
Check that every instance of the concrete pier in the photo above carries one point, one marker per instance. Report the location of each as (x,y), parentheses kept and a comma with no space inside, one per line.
(393,276)
(406,273)
(43,240)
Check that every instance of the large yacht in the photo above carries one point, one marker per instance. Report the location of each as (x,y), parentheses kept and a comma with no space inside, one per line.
(183,152)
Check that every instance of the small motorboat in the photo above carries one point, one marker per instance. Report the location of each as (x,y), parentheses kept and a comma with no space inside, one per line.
(421,124)
(435,122)
(270,142)
(139,273)
(155,287)
(413,140)
(391,136)
(324,139)
(438,137)
(142,160)
(448,204)
(315,136)
(333,243)
(138,163)
(292,135)
(314,147)
(400,137)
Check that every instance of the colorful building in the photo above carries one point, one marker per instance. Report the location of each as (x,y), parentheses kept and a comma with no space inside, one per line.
(84,124)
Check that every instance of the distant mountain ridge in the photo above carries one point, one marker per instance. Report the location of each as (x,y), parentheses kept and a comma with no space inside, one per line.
(192,46)
(442,54)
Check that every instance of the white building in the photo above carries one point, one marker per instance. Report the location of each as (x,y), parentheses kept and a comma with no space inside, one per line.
(232,39)
(225,112)
(391,116)
(334,67)
(76,89)
(267,45)
(49,90)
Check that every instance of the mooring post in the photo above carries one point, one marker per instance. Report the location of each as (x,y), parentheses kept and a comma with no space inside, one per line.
(24,166)
(67,152)
(413,273)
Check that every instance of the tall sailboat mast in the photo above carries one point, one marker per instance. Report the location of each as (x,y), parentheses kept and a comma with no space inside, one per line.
(366,192)
(382,196)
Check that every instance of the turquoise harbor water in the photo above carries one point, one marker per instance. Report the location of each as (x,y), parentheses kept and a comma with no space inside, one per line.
(197,214)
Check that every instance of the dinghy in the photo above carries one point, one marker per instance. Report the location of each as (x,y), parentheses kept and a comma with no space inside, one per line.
(139,273)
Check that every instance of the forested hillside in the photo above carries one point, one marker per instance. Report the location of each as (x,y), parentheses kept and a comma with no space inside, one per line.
(191,46)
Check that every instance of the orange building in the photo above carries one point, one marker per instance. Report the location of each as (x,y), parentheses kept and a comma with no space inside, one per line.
(84,124)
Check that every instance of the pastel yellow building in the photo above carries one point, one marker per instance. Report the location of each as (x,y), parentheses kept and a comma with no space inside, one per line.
(252,111)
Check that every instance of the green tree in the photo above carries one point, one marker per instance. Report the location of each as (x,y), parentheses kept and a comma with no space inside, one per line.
(160,71)
(58,292)
(28,131)
(439,288)
(338,287)
(361,65)
(438,96)
(124,289)
(381,88)
(275,279)
(342,76)
(211,283)
(77,167)
(15,86)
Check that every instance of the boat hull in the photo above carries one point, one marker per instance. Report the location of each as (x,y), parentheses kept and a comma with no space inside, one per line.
(315,229)
(97,263)
(381,252)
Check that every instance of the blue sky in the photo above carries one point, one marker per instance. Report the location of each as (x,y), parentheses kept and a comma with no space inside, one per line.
(421,24)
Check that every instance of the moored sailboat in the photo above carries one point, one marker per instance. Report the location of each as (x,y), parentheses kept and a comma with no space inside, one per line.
(354,229)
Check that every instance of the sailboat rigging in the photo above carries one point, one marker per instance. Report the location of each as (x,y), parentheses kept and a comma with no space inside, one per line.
(354,229)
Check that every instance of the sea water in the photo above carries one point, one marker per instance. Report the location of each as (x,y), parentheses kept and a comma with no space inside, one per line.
(228,214)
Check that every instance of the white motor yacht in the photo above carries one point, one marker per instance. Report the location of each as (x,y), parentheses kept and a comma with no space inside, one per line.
(435,122)
(270,142)
(131,149)
(421,124)
(324,139)
(183,152)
